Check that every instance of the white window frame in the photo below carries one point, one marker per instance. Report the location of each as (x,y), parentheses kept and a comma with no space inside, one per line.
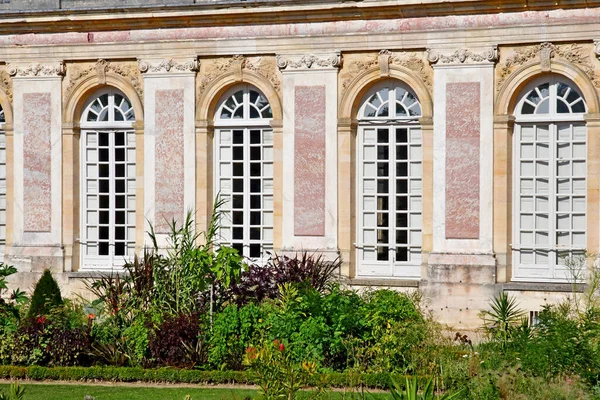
(246,124)
(2,185)
(110,261)
(410,269)
(552,271)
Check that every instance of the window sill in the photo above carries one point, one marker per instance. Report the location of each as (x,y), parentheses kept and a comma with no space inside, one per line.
(542,287)
(93,274)
(387,282)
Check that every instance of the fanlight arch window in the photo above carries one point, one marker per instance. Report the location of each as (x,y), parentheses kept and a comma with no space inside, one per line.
(108,185)
(245,104)
(552,98)
(2,183)
(391,103)
(389,183)
(244,171)
(550,180)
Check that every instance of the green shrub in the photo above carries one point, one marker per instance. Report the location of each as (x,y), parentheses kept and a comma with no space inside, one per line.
(233,330)
(46,295)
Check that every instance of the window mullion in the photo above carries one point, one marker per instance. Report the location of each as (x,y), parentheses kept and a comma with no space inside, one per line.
(246,192)
(111,197)
(552,199)
(392,194)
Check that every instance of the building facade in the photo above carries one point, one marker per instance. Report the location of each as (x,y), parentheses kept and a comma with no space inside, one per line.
(452,146)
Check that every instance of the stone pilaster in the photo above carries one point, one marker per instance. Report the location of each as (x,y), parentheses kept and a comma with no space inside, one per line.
(310,151)
(169,145)
(36,235)
(461,257)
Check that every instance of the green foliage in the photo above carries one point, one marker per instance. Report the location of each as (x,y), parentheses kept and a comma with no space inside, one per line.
(46,295)
(279,375)
(411,391)
(16,392)
(503,319)
(234,328)
(394,328)
(136,342)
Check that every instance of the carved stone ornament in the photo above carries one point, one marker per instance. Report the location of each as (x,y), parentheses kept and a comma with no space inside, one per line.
(544,53)
(263,65)
(76,73)
(6,84)
(463,56)
(36,70)
(413,61)
(168,65)
(309,61)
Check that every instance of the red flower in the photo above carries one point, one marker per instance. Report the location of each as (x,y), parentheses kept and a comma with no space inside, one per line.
(281,347)
(91,316)
(41,319)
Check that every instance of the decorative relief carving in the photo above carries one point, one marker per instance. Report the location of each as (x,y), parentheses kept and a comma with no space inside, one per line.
(412,61)
(462,56)
(6,84)
(574,53)
(309,61)
(36,70)
(76,73)
(262,65)
(169,65)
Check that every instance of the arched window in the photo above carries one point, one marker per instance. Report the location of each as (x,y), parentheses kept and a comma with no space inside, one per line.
(107,180)
(244,170)
(550,171)
(389,182)
(2,184)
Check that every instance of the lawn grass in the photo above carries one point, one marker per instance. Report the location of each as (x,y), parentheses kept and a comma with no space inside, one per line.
(35,391)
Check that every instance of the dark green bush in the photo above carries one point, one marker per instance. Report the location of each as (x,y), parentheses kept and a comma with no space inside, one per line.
(46,295)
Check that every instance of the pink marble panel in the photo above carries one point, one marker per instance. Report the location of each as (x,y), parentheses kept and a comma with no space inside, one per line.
(421,24)
(309,160)
(462,160)
(169,197)
(37,162)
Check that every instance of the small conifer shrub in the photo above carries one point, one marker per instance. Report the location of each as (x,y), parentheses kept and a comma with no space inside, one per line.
(46,295)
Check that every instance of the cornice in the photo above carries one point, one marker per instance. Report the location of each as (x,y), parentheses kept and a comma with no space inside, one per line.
(166,66)
(36,70)
(463,56)
(215,14)
(305,62)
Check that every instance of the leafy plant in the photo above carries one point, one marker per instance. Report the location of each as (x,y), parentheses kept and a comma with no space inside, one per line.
(504,317)
(413,393)
(261,282)
(46,295)
(16,392)
(279,376)
(178,342)
(233,330)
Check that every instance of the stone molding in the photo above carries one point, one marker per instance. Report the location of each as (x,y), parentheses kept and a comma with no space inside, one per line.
(147,66)
(413,61)
(305,62)
(51,69)
(262,65)
(462,56)
(76,73)
(544,53)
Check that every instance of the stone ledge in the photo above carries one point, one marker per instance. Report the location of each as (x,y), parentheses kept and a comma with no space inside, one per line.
(93,274)
(383,282)
(541,287)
